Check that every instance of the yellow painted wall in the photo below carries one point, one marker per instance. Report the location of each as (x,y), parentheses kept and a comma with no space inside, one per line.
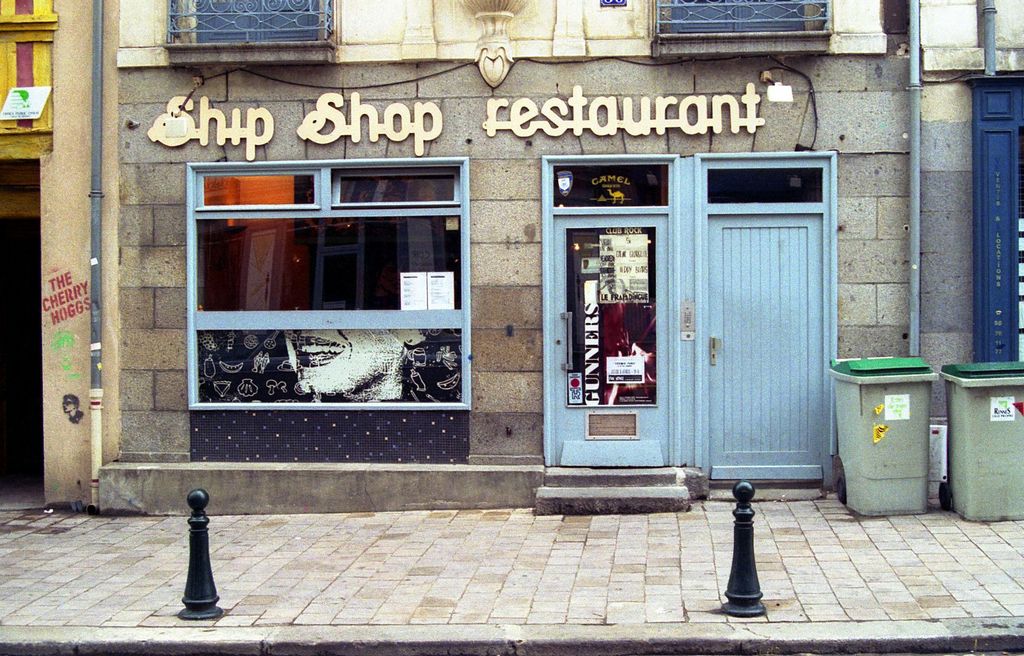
(16,141)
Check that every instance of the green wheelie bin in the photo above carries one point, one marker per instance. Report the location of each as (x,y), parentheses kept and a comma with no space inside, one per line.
(985,441)
(882,408)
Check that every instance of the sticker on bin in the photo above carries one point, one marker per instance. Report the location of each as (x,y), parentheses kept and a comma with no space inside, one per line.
(878,432)
(897,407)
(1001,408)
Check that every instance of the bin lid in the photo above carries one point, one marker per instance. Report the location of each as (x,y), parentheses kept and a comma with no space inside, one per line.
(985,369)
(882,367)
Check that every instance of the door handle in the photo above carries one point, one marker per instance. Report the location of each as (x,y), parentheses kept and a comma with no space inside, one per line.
(715,344)
(567,365)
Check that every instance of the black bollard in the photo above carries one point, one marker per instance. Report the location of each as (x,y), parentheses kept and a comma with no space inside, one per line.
(200,592)
(743,591)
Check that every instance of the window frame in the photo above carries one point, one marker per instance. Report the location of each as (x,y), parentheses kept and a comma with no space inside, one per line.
(323,207)
(202,35)
(740,26)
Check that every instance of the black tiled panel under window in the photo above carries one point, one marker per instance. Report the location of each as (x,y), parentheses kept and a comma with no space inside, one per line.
(330,436)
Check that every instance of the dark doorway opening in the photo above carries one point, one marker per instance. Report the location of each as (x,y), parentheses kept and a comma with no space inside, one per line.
(21,407)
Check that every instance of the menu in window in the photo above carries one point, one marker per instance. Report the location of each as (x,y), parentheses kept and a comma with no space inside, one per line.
(414,291)
(441,290)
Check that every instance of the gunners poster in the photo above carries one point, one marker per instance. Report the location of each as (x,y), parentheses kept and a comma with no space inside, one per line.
(612,299)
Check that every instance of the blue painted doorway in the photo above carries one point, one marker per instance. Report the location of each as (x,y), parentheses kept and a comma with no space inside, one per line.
(689,313)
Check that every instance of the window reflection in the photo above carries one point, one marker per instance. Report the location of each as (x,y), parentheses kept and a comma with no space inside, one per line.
(321,263)
(258,190)
(352,189)
(764,186)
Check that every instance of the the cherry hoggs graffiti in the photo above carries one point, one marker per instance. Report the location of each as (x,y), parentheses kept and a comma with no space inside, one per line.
(63,298)
(330,366)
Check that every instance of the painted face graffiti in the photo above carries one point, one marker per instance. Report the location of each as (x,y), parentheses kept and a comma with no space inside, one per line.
(70,406)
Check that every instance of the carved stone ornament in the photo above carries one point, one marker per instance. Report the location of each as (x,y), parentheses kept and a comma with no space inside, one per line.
(494,48)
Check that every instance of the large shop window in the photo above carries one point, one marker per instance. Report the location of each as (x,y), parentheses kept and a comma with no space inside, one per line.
(340,284)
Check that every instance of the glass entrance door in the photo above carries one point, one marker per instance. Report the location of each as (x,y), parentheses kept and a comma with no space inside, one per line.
(612,396)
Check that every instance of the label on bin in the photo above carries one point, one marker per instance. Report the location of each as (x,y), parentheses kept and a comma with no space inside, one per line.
(1001,408)
(878,432)
(897,407)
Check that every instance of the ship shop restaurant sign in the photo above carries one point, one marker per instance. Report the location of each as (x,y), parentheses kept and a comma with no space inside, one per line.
(331,120)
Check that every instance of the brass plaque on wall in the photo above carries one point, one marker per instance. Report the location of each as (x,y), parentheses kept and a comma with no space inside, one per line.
(612,426)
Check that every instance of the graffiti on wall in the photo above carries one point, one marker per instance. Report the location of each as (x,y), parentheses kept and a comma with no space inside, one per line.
(71,404)
(63,344)
(63,298)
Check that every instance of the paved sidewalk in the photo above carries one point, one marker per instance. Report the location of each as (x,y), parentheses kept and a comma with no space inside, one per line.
(820,569)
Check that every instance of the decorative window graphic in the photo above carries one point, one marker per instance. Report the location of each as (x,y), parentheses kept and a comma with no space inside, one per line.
(304,297)
(330,366)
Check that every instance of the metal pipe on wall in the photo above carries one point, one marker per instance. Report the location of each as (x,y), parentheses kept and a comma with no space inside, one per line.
(989,16)
(914,222)
(95,252)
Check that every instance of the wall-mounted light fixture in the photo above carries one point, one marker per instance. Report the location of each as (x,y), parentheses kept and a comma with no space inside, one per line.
(777,91)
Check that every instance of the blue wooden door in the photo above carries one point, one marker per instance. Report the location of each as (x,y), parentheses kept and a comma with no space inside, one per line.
(607,382)
(768,400)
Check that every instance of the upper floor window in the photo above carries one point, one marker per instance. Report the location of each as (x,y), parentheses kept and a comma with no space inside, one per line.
(718,16)
(249,21)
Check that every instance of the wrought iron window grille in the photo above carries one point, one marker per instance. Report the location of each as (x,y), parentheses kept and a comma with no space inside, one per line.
(717,16)
(249,21)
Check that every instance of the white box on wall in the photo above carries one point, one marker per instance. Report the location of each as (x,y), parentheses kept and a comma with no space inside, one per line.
(937,461)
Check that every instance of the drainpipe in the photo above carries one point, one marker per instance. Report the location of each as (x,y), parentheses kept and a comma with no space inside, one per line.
(915,177)
(989,13)
(95,251)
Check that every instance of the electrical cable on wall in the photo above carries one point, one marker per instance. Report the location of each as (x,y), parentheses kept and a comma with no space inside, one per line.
(812,98)
(199,79)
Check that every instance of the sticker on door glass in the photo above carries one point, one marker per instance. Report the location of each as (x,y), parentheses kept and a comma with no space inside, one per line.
(574,384)
(627,369)
(897,407)
(1001,408)
(624,266)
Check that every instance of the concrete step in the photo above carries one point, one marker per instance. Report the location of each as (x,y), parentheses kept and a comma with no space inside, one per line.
(771,490)
(611,500)
(584,477)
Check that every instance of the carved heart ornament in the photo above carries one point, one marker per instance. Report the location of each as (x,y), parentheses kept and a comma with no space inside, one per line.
(494,46)
(494,68)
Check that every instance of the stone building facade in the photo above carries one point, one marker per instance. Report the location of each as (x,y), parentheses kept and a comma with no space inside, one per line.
(786,240)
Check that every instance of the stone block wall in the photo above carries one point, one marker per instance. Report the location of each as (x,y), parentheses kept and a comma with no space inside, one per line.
(861,114)
(946,229)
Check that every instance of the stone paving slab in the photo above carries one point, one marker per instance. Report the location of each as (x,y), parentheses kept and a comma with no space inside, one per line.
(818,564)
